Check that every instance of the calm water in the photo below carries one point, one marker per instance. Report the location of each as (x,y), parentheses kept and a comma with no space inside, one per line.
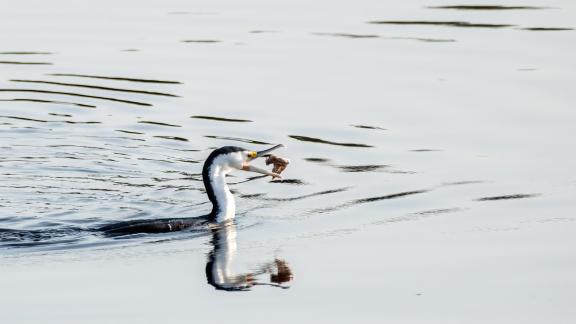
(432,175)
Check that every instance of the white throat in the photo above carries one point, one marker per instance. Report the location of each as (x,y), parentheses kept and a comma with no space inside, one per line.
(225,200)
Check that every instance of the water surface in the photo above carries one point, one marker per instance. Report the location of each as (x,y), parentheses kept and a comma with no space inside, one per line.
(431,176)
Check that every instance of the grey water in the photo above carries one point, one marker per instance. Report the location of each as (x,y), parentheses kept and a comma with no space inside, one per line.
(432,173)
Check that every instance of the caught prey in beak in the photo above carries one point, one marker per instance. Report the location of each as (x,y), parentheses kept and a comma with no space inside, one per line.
(253,155)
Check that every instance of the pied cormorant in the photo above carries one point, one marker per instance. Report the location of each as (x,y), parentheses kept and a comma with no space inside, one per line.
(218,164)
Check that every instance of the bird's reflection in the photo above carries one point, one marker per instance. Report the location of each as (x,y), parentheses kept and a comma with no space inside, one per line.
(219,267)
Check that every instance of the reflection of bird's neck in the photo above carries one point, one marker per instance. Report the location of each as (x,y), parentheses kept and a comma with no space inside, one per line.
(214,178)
(219,267)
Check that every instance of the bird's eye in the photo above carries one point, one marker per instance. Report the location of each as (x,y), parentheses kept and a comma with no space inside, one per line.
(252,154)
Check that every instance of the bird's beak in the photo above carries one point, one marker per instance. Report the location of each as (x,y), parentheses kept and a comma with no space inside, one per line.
(263,153)
(247,167)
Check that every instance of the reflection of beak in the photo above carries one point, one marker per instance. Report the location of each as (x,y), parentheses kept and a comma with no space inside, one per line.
(263,153)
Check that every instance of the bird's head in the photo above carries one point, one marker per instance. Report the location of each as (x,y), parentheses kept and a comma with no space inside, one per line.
(230,158)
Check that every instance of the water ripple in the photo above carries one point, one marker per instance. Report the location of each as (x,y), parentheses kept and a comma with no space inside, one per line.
(321,141)
(25,63)
(25,53)
(387,197)
(173,138)
(368,127)
(487,7)
(78,95)
(49,102)
(237,139)
(157,123)
(463,24)
(222,119)
(115,78)
(88,86)
(547,28)
(508,197)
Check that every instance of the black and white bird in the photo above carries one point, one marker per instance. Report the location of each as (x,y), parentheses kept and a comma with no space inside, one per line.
(219,163)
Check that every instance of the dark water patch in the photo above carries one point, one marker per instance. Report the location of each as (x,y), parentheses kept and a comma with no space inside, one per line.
(387,197)
(59,188)
(508,197)
(463,24)
(262,196)
(25,63)
(78,146)
(237,139)
(290,181)
(30,238)
(321,141)
(129,132)
(527,69)
(130,50)
(25,53)
(50,102)
(223,119)
(438,211)
(155,160)
(418,215)
(547,28)
(317,160)
(365,200)
(426,40)
(59,115)
(74,122)
(372,36)
(234,191)
(345,35)
(425,150)
(50,121)
(25,118)
(170,148)
(78,95)
(114,138)
(400,172)
(174,138)
(37,161)
(187,174)
(361,168)
(263,31)
(114,78)
(203,41)
(315,194)
(188,161)
(368,127)
(97,87)
(461,183)
(157,123)
(175,179)
(250,196)
(430,40)
(32,128)
(487,7)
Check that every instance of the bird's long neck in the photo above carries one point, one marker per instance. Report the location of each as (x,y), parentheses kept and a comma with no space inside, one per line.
(219,270)
(223,204)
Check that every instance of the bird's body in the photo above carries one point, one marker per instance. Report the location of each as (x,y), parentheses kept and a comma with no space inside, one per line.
(161,225)
(218,164)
